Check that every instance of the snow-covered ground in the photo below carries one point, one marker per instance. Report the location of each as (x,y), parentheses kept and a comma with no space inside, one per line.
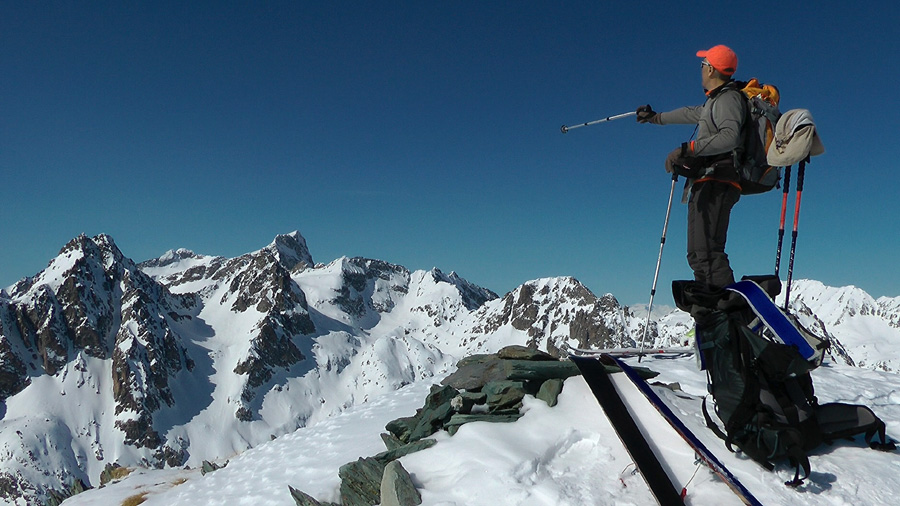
(565,455)
(373,337)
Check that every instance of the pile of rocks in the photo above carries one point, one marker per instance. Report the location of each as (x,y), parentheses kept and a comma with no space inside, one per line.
(485,388)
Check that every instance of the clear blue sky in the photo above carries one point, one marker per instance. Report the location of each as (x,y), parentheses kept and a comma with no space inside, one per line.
(427,133)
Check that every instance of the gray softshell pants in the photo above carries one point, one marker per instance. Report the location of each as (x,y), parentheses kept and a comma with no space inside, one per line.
(709,210)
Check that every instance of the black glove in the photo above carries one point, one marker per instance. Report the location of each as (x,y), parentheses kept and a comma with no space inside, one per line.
(674,159)
(683,164)
(645,114)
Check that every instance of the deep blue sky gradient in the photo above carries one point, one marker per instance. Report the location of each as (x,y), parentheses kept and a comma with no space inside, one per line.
(427,133)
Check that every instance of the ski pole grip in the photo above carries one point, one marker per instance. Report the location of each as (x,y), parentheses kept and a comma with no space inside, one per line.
(800,174)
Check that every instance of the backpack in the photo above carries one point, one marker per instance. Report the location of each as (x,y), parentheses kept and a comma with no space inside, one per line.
(758,131)
(762,388)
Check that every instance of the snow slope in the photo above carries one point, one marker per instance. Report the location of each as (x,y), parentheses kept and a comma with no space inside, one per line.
(562,456)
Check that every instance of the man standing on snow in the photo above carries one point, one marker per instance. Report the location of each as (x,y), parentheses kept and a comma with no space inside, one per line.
(708,163)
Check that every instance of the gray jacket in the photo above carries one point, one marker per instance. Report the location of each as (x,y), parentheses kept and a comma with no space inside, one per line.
(719,121)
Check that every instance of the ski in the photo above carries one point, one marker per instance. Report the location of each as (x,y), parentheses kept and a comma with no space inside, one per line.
(702,452)
(674,352)
(629,433)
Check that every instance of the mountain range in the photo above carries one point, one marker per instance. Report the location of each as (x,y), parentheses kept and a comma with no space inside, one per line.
(189,357)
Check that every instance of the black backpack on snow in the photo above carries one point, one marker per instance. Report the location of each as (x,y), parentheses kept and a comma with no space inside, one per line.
(762,389)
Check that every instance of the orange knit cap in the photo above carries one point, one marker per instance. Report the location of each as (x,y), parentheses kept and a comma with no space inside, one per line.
(722,58)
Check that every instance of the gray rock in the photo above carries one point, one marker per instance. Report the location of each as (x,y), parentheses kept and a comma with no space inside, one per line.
(208,467)
(431,421)
(504,394)
(465,401)
(550,390)
(477,358)
(439,396)
(427,420)
(361,482)
(518,352)
(397,488)
(472,373)
(402,428)
(539,371)
(513,362)
(402,451)
(458,420)
(391,442)
(304,499)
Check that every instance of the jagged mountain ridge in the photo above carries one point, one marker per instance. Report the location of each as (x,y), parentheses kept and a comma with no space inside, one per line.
(864,331)
(190,357)
(164,354)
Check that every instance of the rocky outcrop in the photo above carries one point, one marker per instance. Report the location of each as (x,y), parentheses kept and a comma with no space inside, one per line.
(291,251)
(369,288)
(889,309)
(486,388)
(92,300)
(557,314)
(260,282)
(94,304)
(13,368)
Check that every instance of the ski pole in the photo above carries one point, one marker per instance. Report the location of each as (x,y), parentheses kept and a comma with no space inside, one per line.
(565,128)
(784,199)
(662,242)
(787,291)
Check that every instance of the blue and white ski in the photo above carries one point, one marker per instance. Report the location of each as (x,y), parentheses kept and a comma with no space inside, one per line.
(702,452)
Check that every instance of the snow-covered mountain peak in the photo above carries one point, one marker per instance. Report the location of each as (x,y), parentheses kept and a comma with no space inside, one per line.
(473,296)
(552,314)
(890,310)
(834,304)
(863,331)
(189,357)
(171,257)
(90,258)
(291,251)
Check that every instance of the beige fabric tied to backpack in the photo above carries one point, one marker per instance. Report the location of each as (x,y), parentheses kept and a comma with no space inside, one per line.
(795,139)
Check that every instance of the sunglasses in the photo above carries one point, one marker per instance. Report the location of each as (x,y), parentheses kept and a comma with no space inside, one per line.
(705,63)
